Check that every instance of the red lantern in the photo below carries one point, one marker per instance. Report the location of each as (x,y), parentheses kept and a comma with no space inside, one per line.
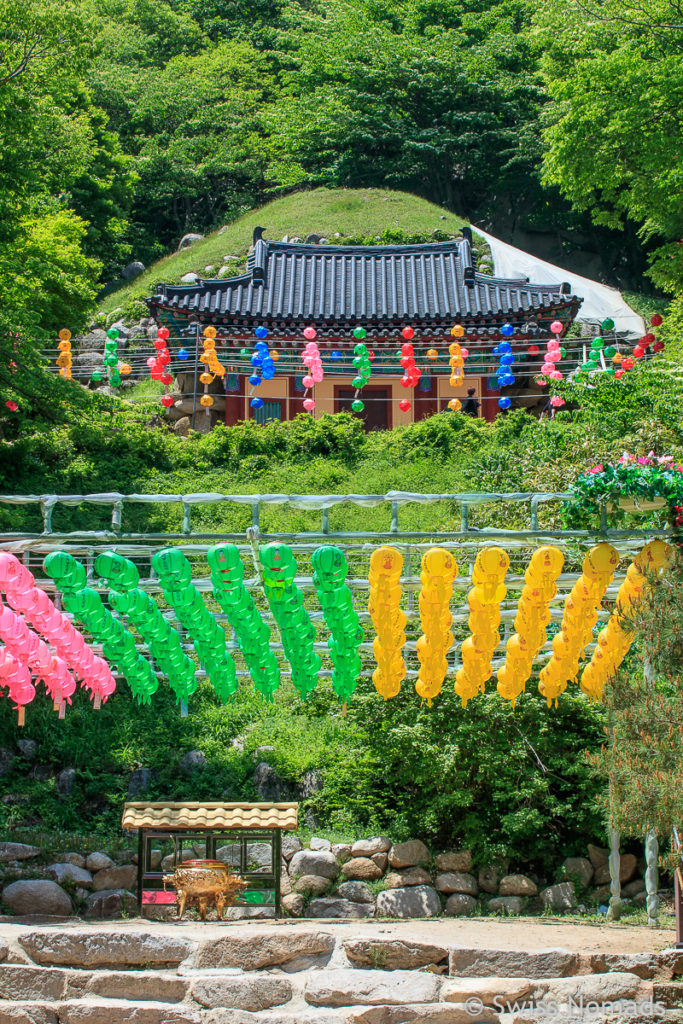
(658,346)
(619,374)
(638,352)
(167,379)
(405,382)
(655,319)
(159,344)
(628,364)
(371,355)
(648,339)
(408,350)
(404,405)
(167,400)
(406,361)
(408,333)
(533,350)
(163,333)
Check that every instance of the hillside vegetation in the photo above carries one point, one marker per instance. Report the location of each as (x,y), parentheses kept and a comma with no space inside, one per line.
(358,214)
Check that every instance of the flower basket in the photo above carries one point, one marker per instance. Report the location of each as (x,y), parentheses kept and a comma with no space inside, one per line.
(636,486)
(635,505)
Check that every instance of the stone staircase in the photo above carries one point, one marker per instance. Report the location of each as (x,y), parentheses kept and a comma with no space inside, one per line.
(282,975)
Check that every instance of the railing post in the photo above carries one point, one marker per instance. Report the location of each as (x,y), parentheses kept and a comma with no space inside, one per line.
(614,912)
(652,879)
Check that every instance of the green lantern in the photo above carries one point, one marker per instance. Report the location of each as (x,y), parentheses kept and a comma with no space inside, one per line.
(357,405)
(359,332)
(607,325)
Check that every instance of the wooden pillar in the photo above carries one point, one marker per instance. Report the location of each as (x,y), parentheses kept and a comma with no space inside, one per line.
(234,403)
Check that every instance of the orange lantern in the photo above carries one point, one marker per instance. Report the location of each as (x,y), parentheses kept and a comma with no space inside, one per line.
(432,353)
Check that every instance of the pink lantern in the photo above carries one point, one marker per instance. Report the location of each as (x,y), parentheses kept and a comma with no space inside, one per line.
(310,333)
(557,375)
(542,381)
(547,367)
(307,382)
(464,352)
(309,404)
(556,327)
(556,401)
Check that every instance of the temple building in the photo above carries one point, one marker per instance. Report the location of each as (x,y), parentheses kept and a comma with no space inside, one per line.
(337,289)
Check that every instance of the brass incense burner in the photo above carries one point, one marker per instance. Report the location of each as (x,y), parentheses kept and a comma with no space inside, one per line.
(206,883)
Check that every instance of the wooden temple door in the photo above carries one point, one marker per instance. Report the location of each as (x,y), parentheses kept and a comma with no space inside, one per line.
(377,401)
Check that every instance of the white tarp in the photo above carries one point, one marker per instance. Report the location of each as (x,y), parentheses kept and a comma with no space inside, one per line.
(599,300)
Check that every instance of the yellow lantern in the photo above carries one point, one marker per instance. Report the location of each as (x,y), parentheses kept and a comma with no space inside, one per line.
(209,344)
(125,369)
(274,355)
(455,405)
(206,378)
(432,353)
(617,358)
(388,620)
(64,359)
(206,401)
(210,332)
(64,334)
(457,331)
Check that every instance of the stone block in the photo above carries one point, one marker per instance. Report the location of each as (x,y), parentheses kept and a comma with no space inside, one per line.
(366,847)
(93,949)
(27,1013)
(411,876)
(124,877)
(457,881)
(342,851)
(138,985)
(393,954)
(37,897)
(511,963)
(381,860)
(460,905)
(642,964)
(588,988)
(264,949)
(98,862)
(253,992)
(290,846)
(669,994)
(345,987)
(361,869)
(334,906)
(18,982)
(405,855)
(416,901)
(422,1013)
(517,885)
(314,862)
(319,844)
(123,1012)
(485,989)
(293,904)
(454,860)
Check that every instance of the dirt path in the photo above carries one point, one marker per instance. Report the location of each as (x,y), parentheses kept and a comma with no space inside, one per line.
(484,933)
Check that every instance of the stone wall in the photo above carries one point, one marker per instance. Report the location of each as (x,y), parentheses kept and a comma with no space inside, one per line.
(371,877)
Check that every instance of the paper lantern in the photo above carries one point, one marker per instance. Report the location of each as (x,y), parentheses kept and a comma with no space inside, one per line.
(439,570)
(330,570)
(388,620)
(408,333)
(457,331)
(286,602)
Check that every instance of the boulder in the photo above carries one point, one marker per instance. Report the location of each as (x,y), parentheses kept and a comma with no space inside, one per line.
(259,856)
(627,869)
(597,855)
(416,901)
(17,851)
(455,860)
(357,892)
(393,954)
(225,271)
(411,876)
(189,278)
(66,780)
(361,869)
(290,846)
(133,270)
(28,749)
(510,905)
(460,905)
(67,872)
(405,855)
(37,897)
(517,885)
(457,881)
(312,239)
(293,904)
(268,784)
(578,869)
(189,239)
(139,782)
(191,761)
(344,987)
(559,898)
(93,341)
(263,949)
(366,847)
(252,992)
(381,860)
(314,884)
(311,783)
(110,903)
(72,858)
(633,888)
(210,269)
(314,862)
(98,861)
(168,862)
(342,851)
(92,949)
(182,426)
(124,877)
(320,844)
(489,879)
(333,906)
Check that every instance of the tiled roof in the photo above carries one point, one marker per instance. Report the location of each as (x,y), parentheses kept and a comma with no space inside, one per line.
(209,816)
(294,283)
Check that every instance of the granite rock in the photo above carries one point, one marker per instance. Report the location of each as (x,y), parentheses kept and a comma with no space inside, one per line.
(416,901)
(37,897)
(405,855)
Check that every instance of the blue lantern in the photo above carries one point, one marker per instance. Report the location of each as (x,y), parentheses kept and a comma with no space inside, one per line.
(507,330)
(256,359)
(504,402)
(261,332)
(183,353)
(256,403)
(254,380)
(335,355)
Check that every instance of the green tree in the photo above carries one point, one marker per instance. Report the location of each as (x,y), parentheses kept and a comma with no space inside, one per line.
(613,131)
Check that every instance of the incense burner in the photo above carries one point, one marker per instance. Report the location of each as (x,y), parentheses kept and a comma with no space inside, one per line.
(205,883)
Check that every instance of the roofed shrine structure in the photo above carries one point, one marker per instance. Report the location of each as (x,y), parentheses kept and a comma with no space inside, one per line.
(430,287)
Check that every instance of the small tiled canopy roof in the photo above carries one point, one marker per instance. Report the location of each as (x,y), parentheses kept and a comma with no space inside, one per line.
(289,285)
(174,816)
